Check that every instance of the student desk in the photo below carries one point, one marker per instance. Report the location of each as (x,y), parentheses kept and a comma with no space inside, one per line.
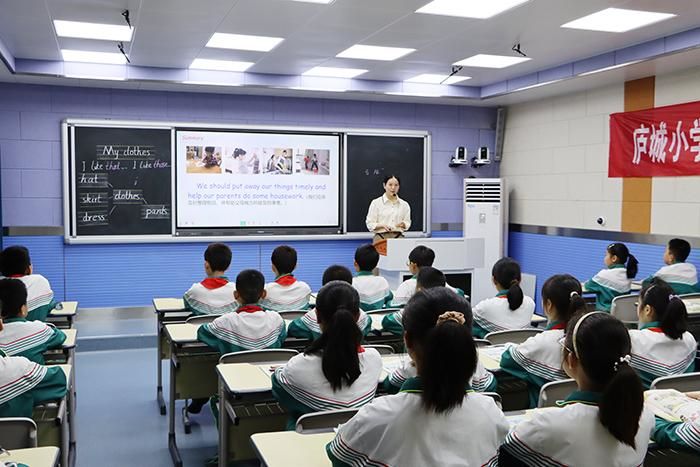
(63,317)
(292,449)
(53,421)
(168,310)
(33,457)
(537,320)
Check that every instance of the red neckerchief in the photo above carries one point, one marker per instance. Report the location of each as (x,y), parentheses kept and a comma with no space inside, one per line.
(286,280)
(558,326)
(249,309)
(360,349)
(212,283)
(654,329)
(16,276)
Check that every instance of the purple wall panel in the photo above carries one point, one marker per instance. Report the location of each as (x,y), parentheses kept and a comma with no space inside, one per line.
(18,154)
(9,124)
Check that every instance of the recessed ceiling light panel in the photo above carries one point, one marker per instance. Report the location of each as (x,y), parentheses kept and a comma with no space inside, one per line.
(374,52)
(81,30)
(480,9)
(333,72)
(617,20)
(491,61)
(222,40)
(85,56)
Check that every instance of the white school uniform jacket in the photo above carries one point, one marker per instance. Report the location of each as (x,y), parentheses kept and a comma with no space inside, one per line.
(248,328)
(654,354)
(39,296)
(407,289)
(493,314)
(608,284)
(374,291)
(286,293)
(29,338)
(24,384)
(396,431)
(212,296)
(682,277)
(482,381)
(539,356)
(572,435)
(301,386)
(307,327)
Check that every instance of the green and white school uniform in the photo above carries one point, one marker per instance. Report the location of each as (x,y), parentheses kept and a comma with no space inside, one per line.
(397,431)
(286,293)
(212,296)
(538,360)
(307,327)
(482,381)
(24,384)
(29,339)
(654,354)
(408,288)
(248,328)
(393,323)
(493,314)
(608,284)
(573,435)
(682,277)
(374,291)
(301,387)
(40,300)
(678,435)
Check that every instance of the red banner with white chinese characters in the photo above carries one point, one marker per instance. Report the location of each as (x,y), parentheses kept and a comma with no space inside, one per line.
(659,142)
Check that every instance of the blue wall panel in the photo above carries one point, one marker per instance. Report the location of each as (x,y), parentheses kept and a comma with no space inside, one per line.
(546,255)
(47,259)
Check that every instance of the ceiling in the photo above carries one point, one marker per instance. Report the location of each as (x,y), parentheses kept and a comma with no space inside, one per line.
(172,33)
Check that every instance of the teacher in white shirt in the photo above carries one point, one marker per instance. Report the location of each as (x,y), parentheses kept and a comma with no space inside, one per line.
(389,216)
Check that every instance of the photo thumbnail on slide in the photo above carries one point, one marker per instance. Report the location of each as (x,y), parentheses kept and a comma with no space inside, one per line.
(313,162)
(263,179)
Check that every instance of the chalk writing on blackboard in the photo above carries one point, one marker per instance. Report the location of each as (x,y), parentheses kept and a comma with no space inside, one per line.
(93,217)
(155,212)
(92,180)
(124,151)
(94,199)
(127,196)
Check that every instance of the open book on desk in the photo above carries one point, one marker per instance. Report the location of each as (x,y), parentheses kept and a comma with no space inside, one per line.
(672,405)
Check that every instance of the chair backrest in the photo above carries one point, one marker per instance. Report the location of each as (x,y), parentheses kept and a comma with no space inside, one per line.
(514,336)
(383,311)
(686,382)
(624,308)
(201,319)
(323,422)
(555,391)
(496,397)
(259,356)
(690,295)
(481,343)
(383,349)
(17,433)
(292,314)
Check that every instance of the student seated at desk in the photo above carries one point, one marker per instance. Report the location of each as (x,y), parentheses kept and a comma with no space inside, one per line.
(335,371)
(662,346)
(286,292)
(482,381)
(538,359)
(214,295)
(616,278)
(681,276)
(20,337)
(678,435)
(604,422)
(436,419)
(427,277)
(307,327)
(510,308)
(374,290)
(15,263)
(25,384)
(249,327)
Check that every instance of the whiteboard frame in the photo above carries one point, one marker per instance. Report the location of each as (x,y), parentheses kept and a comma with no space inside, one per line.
(69,200)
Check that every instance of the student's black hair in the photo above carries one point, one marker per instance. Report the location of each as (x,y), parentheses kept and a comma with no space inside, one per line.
(366,257)
(250,284)
(429,277)
(389,177)
(443,376)
(624,256)
(670,310)
(337,311)
(564,291)
(15,260)
(602,347)
(422,256)
(506,272)
(336,272)
(679,248)
(13,295)
(218,256)
(284,258)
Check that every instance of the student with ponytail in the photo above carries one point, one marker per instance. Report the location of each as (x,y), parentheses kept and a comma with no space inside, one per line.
(482,381)
(662,346)
(510,308)
(604,422)
(335,371)
(435,419)
(616,279)
(538,360)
